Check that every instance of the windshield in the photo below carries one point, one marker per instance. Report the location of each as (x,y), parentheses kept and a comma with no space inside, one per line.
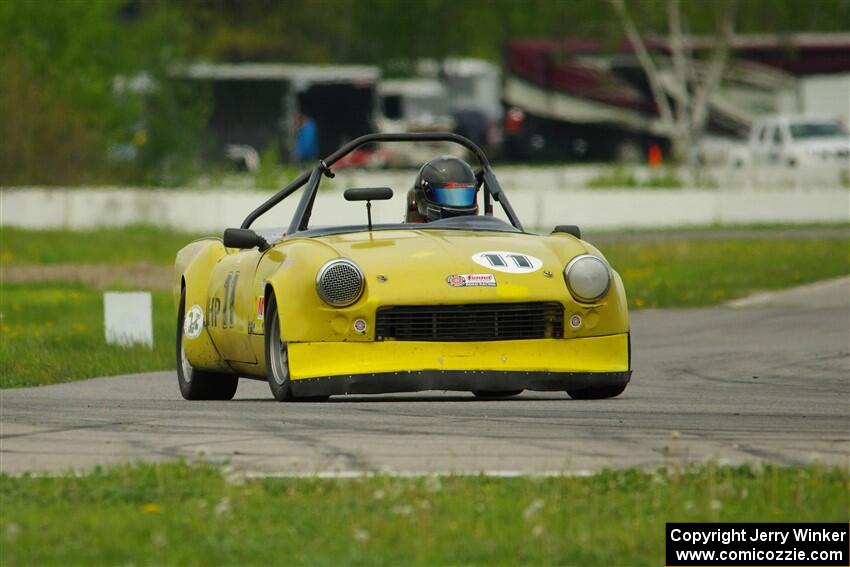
(817,130)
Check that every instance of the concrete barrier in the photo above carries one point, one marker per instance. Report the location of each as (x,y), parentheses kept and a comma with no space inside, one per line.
(537,206)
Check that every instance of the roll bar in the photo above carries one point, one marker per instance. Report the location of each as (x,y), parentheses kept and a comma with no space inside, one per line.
(313,176)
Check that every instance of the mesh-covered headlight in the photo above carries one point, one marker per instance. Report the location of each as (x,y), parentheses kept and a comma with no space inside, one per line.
(588,277)
(339,282)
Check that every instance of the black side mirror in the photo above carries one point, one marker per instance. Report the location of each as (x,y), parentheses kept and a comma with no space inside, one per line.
(368,194)
(568,229)
(243,238)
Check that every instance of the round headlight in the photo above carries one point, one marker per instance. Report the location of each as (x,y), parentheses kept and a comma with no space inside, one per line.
(587,277)
(339,282)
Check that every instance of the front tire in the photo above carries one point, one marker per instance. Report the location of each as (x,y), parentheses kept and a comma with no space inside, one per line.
(199,384)
(277,359)
(600,393)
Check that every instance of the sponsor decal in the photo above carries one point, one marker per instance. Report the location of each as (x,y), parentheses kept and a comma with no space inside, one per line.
(471,280)
(575,321)
(508,262)
(360,325)
(261,307)
(193,322)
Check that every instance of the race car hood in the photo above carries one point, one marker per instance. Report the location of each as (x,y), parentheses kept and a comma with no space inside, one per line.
(410,262)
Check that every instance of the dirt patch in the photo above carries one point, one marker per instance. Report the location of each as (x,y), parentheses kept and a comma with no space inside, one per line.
(141,275)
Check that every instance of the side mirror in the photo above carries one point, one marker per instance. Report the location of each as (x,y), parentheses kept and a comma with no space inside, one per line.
(568,229)
(368,194)
(244,238)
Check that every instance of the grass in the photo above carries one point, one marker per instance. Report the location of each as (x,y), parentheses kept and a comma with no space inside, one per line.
(180,514)
(619,178)
(53,332)
(696,273)
(102,246)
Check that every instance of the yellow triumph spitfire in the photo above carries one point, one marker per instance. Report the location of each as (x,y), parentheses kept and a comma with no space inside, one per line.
(452,298)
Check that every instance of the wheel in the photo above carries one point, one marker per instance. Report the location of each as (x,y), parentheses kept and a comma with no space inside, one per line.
(494,394)
(597,393)
(277,359)
(199,384)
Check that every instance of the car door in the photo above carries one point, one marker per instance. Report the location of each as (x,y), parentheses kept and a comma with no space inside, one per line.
(775,142)
(230,305)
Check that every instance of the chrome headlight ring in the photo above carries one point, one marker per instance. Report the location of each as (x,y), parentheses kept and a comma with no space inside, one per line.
(588,277)
(340,282)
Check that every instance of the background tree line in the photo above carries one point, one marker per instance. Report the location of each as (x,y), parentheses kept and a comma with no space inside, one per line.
(64,106)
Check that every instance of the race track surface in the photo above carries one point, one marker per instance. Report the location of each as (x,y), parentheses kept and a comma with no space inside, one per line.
(768,380)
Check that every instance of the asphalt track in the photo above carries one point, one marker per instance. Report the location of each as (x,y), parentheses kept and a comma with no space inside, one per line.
(767,380)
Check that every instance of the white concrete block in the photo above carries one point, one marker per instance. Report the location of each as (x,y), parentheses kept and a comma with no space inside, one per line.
(128,318)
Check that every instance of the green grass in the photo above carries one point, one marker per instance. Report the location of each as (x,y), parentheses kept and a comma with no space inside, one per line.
(619,178)
(695,273)
(179,514)
(54,333)
(102,246)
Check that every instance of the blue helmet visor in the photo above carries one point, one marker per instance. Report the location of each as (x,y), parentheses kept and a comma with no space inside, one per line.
(453,195)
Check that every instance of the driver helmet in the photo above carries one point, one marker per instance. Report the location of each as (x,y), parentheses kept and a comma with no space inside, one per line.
(445,187)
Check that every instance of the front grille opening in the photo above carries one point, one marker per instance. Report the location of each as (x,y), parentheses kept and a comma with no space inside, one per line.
(473,322)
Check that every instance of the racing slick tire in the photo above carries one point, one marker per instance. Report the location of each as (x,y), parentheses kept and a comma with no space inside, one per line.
(494,394)
(199,384)
(600,393)
(277,360)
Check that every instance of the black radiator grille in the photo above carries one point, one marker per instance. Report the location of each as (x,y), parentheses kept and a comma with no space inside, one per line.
(476,322)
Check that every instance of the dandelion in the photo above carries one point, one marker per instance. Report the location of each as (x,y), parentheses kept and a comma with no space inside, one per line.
(233,476)
(378,494)
(12,532)
(537,531)
(361,535)
(150,508)
(532,509)
(223,507)
(433,483)
(402,510)
(158,539)
(639,302)
(715,505)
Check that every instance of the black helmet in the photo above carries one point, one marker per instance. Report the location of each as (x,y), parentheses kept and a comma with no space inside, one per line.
(445,187)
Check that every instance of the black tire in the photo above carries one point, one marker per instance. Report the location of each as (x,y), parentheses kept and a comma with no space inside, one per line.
(495,394)
(600,393)
(277,361)
(199,384)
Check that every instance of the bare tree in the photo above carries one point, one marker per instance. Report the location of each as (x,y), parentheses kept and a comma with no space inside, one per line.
(691,90)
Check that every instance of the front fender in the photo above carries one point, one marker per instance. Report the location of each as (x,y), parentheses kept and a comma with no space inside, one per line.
(192,272)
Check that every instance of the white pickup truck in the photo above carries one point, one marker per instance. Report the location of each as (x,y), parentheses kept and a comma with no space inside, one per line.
(799,140)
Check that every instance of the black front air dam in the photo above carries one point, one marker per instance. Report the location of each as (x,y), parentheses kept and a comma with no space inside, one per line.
(460,380)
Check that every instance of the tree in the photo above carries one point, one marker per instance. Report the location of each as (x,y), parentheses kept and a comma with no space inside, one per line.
(685,119)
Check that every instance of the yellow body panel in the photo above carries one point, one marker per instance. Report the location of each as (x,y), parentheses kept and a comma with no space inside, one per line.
(401,267)
(591,354)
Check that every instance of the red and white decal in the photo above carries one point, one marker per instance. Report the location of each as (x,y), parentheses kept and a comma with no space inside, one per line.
(261,307)
(471,280)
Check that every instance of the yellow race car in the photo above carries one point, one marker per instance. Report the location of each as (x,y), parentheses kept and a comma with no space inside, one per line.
(449,299)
